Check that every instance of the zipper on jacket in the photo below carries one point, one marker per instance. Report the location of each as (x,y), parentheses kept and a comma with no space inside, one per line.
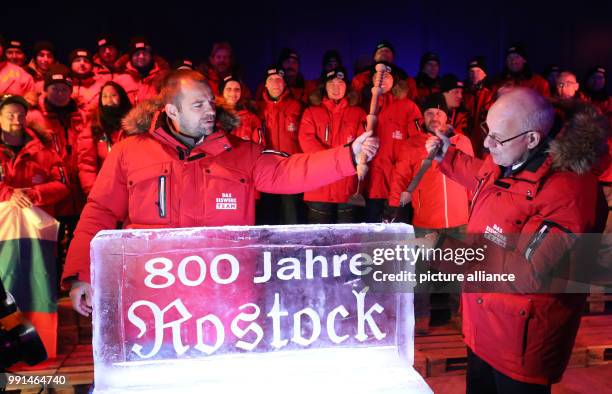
(162,196)
(327,133)
(1,173)
(537,239)
(476,193)
(445,201)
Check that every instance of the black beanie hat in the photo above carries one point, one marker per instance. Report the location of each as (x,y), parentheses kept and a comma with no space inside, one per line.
(139,42)
(14,44)
(58,73)
(477,62)
(384,44)
(597,69)
(428,56)
(274,70)
(287,53)
(331,54)
(13,99)
(338,72)
(435,100)
(43,46)
(79,52)
(449,82)
(518,49)
(226,80)
(106,40)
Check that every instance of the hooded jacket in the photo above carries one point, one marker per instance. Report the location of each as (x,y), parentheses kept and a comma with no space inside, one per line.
(531,222)
(152,180)
(34,168)
(326,125)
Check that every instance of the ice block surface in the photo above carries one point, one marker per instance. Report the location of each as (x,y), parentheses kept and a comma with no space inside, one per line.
(272,308)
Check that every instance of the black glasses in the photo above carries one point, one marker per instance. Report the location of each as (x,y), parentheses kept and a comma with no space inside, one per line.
(485,130)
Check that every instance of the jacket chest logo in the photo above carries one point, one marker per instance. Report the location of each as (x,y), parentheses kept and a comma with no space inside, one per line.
(226,202)
(291,127)
(397,135)
(496,235)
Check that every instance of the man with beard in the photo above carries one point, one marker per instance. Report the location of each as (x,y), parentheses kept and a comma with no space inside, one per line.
(298,87)
(478,98)
(428,78)
(15,54)
(220,64)
(30,173)
(14,79)
(146,69)
(106,57)
(95,142)
(43,59)
(85,87)
(383,52)
(439,203)
(176,165)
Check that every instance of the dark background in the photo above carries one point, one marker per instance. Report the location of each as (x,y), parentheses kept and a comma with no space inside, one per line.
(574,35)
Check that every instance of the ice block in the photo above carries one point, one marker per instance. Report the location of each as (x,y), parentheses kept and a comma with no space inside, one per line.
(256,309)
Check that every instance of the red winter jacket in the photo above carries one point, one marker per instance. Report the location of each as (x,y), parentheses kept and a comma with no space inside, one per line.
(438,201)
(141,88)
(532,218)
(92,151)
(397,121)
(330,125)
(151,180)
(531,81)
(15,80)
(250,128)
(34,168)
(64,132)
(281,120)
(477,101)
(86,92)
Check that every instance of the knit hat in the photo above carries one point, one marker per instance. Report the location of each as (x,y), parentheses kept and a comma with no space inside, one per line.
(226,80)
(338,72)
(80,52)
(384,44)
(597,69)
(106,40)
(517,49)
(183,64)
(13,99)
(58,73)
(139,43)
(331,54)
(477,62)
(450,82)
(435,100)
(287,53)
(43,46)
(428,56)
(14,44)
(272,70)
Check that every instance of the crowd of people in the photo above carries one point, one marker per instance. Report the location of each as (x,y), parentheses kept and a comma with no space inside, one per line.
(123,140)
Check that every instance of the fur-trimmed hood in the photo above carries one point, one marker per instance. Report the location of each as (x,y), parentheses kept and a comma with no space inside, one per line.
(582,141)
(138,120)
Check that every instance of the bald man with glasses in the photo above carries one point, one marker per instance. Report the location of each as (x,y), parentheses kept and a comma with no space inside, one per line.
(533,199)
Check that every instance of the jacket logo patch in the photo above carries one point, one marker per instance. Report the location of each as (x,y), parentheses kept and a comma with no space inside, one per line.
(496,235)
(226,201)
(397,135)
(292,127)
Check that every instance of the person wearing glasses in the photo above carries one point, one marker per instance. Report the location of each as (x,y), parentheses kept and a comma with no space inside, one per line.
(533,197)
(567,87)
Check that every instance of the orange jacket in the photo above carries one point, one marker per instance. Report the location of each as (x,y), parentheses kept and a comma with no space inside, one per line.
(280,120)
(438,201)
(151,180)
(330,125)
(15,80)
